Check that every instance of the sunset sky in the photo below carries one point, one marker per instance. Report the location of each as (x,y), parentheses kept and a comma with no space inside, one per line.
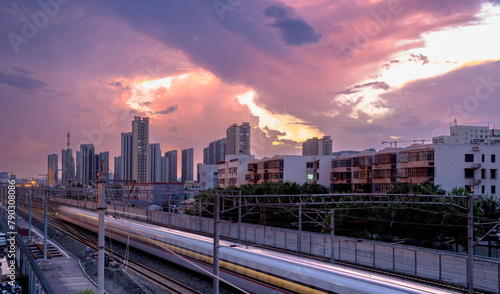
(362,72)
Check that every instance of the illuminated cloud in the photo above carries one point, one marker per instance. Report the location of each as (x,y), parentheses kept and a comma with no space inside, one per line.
(279,65)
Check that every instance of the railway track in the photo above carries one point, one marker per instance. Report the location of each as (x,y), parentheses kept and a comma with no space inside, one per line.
(127,265)
(344,263)
(348,264)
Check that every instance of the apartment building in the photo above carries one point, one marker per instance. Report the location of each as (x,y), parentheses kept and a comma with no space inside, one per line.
(315,146)
(290,168)
(474,167)
(384,169)
(232,171)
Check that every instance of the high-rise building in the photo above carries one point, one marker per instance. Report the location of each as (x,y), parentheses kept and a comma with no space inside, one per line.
(187,164)
(164,170)
(140,146)
(154,163)
(68,163)
(52,170)
(215,152)
(104,157)
(317,146)
(126,157)
(172,166)
(118,168)
(78,161)
(238,139)
(86,162)
(4,177)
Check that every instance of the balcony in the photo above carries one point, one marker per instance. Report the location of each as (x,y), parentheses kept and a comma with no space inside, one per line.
(476,165)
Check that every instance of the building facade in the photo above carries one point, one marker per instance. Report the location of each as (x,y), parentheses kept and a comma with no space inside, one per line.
(68,166)
(238,139)
(67,162)
(187,158)
(126,157)
(118,168)
(465,135)
(164,169)
(290,168)
(215,152)
(232,171)
(473,167)
(208,176)
(85,161)
(154,163)
(172,166)
(52,170)
(315,146)
(140,146)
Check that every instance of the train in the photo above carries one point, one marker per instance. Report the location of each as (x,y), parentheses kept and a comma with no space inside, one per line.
(249,268)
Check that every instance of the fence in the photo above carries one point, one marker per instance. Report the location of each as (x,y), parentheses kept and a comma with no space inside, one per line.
(427,263)
(27,264)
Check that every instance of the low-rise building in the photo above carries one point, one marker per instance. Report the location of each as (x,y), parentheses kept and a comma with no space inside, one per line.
(232,171)
(208,176)
(290,168)
(473,167)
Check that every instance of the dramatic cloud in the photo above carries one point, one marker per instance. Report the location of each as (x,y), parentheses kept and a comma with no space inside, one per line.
(359,71)
(168,110)
(373,85)
(293,30)
(20,78)
(419,57)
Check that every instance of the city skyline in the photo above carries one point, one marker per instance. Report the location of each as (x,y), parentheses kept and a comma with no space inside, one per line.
(361,72)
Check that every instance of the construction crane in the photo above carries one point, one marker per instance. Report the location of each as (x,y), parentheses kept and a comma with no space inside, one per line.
(395,143)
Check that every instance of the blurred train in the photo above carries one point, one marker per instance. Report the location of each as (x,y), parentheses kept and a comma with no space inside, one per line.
(254,270)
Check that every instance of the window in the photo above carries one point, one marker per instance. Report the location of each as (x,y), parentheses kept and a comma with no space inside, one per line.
(469,157)
(482,189)
(492,157)
(483,174)
(482,157)
(469,189)
(469,172)
(309,164)
(310,176)
(493,173)
(493,189)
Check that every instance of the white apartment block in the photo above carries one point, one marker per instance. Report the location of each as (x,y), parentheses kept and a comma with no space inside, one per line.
(232,171)
(466,135)
(473,167)
(208,176)
(291,168)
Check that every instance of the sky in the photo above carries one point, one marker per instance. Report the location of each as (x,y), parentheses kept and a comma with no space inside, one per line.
(360,71)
